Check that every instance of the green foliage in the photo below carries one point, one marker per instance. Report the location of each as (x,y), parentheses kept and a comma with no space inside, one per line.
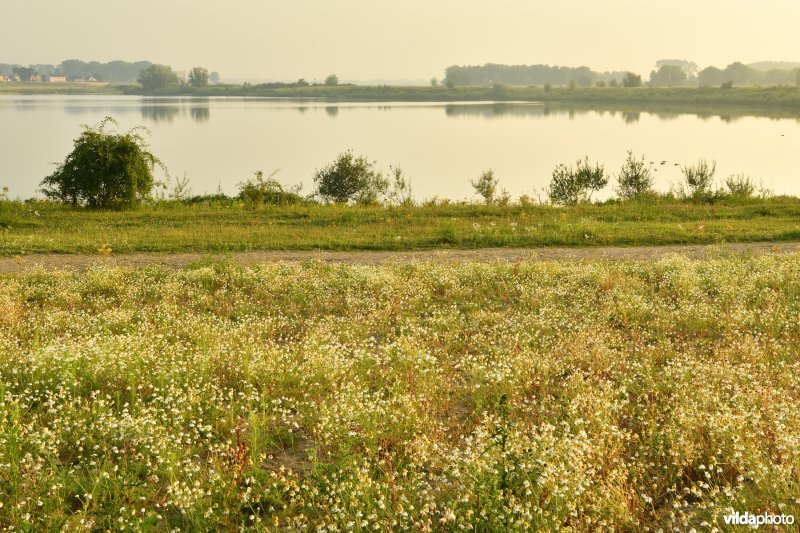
(332,80)
(740,186)
(105,169)
(501,90)
(485,186)
(350,178)
(632,80)
(570,186)
(399,192)
(635,178)
(668,75)
(198,77)
(158,77)
(699,178)
(268,190)
(24,73)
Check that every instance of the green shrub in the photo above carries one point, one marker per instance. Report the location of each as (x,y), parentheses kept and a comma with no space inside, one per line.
(399,191)
(572,185)
(635,178)
(740,186)
(485,186)
(700,177)
(261,190)
(105,169)
(350,178)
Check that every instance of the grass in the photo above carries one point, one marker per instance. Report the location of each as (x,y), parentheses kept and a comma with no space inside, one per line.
(777,101)
(757,97)
(62,88)
(232,226)
(531,396)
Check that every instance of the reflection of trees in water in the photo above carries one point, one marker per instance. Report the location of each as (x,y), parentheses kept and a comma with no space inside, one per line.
(630,114)
(200,113)
(332,110)
(159,113)
(631,117)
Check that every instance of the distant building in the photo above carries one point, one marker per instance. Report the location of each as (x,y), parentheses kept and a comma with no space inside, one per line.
(3,78)
(36,77)
(56,79)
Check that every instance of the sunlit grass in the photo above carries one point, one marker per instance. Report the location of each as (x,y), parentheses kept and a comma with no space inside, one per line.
(173,227)
(414,396)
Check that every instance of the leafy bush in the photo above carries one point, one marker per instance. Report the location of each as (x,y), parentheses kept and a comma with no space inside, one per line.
(700,177)
(485,186)
(105,169)
(635,178)
(350,178)
(261,190)
(4,194)
(399,192)
(572,185)
(740,185)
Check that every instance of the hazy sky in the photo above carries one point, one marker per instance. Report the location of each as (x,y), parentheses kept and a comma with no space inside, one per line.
(397,39)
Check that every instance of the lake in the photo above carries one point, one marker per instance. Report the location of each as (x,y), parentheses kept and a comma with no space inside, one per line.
(218,142)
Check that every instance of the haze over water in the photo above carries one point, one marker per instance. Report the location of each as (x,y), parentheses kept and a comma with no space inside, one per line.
(441,146)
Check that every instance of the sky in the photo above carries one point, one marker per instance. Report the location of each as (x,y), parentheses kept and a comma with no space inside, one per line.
(397,39)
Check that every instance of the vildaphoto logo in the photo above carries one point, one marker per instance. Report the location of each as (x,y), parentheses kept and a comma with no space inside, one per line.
(766,519)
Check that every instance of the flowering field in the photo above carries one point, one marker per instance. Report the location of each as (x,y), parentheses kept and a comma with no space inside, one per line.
(412,396)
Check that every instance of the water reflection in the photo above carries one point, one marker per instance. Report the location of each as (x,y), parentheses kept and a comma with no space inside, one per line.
(332,110)
(200,113)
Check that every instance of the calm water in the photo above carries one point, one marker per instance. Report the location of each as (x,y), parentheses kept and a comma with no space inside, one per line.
(220,142)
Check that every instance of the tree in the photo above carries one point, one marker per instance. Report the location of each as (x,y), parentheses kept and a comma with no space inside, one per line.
(156,77)
(24,73)
(214,78)
(688,67)
(434,82)
(485,186)
(105,169)
(635,179)
(331,80)
(350,178)
(632,80)
(668,75)
(198,77)
(711,76)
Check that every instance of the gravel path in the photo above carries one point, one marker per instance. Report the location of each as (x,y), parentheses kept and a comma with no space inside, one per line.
(179,260)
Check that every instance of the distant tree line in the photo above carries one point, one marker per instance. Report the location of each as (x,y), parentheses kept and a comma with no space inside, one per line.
(492,73)
(740,74)
(113,71)
(667,73)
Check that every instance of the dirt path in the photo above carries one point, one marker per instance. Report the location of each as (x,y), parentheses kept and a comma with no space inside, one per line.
(178,260)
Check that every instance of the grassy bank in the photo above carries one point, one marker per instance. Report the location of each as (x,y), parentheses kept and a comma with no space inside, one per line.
(233,226)
(63,88)
(534,396)
(784,100)
(785,97)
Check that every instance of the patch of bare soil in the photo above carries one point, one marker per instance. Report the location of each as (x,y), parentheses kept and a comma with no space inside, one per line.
(10,265)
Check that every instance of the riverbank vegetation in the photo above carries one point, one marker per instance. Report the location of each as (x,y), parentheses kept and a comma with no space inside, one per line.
(527,396)
(222,224)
